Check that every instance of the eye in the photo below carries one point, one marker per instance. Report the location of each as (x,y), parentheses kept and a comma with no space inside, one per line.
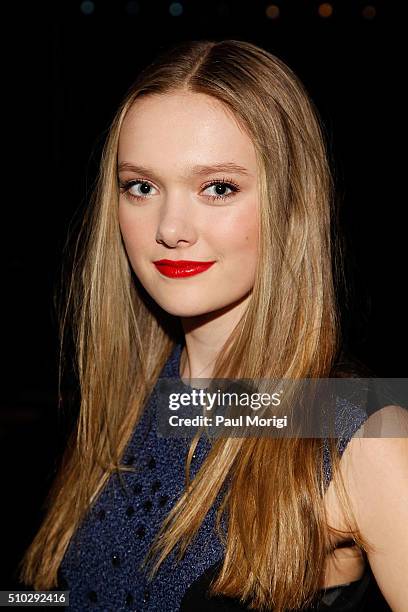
(145,188)
(221,185)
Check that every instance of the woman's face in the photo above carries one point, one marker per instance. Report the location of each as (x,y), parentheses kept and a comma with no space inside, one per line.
(168,144)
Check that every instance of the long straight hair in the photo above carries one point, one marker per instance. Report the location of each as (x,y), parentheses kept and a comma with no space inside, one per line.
(275,504)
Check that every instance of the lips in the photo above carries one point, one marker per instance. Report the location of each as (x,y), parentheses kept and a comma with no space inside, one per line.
(181,268)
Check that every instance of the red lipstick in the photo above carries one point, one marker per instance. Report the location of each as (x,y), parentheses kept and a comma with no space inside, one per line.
(181,267)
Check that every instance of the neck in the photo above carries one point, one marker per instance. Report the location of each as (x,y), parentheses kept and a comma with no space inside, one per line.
(205,336)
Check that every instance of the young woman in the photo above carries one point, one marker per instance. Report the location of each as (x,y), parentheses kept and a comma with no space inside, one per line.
(207,253)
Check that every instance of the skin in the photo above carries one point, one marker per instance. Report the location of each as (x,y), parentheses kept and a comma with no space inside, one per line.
(375,472)
(178,219)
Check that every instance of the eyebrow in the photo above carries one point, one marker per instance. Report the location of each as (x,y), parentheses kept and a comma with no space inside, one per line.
(197,170)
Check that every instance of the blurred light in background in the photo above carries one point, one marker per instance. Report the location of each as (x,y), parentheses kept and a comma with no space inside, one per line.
(175,9)
(132,8)
(87,7)
(223,9)
(272,11)
(369,12)
(325,9)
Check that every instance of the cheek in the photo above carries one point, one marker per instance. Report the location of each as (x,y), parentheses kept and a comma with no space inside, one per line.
(133,232)
(239,236)
(124,222)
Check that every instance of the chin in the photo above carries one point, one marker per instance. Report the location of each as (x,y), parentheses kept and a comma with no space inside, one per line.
(185,308)
(184,311)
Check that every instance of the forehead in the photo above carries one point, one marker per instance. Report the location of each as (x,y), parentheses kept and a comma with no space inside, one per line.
(190,127)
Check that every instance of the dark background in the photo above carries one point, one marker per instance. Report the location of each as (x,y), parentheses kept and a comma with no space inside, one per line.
(70,64)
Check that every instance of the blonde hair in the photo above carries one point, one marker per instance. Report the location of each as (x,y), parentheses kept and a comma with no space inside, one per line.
(276,517)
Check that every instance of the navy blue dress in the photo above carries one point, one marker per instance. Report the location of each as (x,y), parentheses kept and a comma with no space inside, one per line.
(101,565)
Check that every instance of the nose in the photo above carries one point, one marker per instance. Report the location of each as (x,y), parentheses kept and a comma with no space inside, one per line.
(175,225)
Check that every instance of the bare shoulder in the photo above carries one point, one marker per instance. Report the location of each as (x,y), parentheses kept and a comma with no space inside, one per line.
(375,472)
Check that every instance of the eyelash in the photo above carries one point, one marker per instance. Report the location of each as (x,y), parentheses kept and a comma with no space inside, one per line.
(126,185)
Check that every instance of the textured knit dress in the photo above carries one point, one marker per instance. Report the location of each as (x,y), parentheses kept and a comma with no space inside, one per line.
(101,565)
